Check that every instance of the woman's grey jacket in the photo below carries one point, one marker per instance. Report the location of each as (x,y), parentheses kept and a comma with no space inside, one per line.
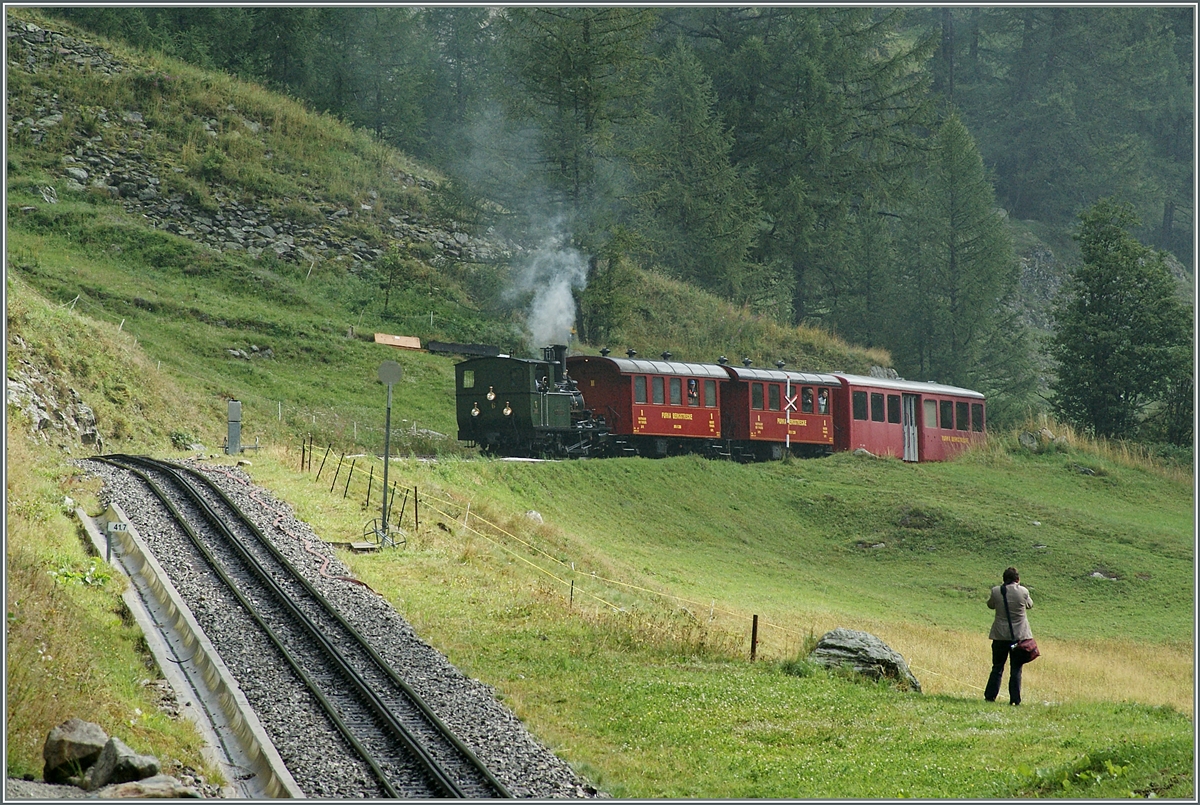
(1018,602)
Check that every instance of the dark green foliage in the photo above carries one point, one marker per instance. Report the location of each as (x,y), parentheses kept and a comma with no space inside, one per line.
(606,303)
(1123,337)
(1071,104)
(696,214)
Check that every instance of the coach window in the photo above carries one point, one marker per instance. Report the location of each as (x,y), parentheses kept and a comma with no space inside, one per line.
(894,409)
(823,401)
(876,407)
(977,417)
(962,411)
(773,397)
(639,389)
(860,405)
(468,378)
(710,394)
(693,391)
(676,391)
(806,401)
(756,396)
(656,387)
(931,413)
(947,415)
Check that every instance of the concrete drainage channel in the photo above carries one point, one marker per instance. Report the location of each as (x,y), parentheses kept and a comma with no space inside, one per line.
(237,742)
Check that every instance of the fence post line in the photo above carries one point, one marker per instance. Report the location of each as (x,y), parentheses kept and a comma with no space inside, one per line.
(370,483)
(391,500)
(348,477)
(337,472)
(416,510)
(301,455)
(322,467)
(310,451)
(403,506)
(571,603)
(754,639)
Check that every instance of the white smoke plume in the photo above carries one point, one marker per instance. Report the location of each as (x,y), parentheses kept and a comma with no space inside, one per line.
(552,271)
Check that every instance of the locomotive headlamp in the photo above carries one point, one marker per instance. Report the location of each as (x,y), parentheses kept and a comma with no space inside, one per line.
(491,395)
(507,409)
(475,409)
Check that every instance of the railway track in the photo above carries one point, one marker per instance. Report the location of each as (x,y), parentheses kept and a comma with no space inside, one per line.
(409,749)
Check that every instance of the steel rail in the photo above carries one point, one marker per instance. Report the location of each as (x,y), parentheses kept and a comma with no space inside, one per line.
(442,780)
(435,721)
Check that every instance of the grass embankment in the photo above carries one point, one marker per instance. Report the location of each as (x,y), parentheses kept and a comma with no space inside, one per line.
(643,680)
(72,650)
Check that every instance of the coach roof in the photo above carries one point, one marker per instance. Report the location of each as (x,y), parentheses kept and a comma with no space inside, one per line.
(638,366)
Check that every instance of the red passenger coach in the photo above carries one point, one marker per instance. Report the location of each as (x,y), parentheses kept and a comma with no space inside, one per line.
(768,412)
(652,407)
(907,419)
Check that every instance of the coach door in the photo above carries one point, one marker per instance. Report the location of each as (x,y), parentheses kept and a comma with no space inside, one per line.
(912,445)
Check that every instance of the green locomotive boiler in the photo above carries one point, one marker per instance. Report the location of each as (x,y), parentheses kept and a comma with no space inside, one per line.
(524,407)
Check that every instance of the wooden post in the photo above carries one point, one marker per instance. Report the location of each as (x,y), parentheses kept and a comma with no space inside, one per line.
(322,467)
(754,639)
(348,477)
(370,483)
(403,506)
(337,472)
(302,452)
(416,510)
(571,603)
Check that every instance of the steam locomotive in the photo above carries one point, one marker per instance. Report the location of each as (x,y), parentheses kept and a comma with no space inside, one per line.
(590,406)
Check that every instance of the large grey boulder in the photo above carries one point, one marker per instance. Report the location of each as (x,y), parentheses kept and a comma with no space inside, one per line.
(863,653)
(70,748)
(119,764)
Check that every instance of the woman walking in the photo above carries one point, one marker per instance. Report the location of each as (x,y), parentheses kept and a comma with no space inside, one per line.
(1010,600)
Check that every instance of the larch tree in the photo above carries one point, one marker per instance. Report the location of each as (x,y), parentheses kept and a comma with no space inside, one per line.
(958,265)
(696,213)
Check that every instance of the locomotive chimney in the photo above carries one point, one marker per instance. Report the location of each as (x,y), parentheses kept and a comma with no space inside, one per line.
(558,356)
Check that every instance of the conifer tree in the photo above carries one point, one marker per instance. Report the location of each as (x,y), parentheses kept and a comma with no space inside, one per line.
(958,262)
(1122,335)
(696,213)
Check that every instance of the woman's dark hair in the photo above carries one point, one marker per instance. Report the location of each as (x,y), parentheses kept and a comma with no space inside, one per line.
(1011,576)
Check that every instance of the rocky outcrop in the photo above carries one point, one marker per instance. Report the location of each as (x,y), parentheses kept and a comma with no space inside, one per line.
(863,653)
(53,408)
(109,158)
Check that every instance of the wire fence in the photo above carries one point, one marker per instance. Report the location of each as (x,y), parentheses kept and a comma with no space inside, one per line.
(355,477)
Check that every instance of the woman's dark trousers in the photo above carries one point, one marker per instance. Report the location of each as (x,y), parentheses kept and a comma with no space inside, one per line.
(1000,653)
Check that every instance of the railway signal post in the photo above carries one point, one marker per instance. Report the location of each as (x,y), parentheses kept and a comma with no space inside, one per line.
(390,373)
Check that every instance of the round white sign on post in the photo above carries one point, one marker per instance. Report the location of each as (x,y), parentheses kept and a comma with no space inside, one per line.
(390,372)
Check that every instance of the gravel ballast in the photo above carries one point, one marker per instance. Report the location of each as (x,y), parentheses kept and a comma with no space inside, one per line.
(313,751)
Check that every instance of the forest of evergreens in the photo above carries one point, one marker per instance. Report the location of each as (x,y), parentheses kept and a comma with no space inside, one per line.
(856,168)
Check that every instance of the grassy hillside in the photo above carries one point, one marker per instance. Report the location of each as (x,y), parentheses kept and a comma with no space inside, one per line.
(619,627)
(200,146)
(637,673)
